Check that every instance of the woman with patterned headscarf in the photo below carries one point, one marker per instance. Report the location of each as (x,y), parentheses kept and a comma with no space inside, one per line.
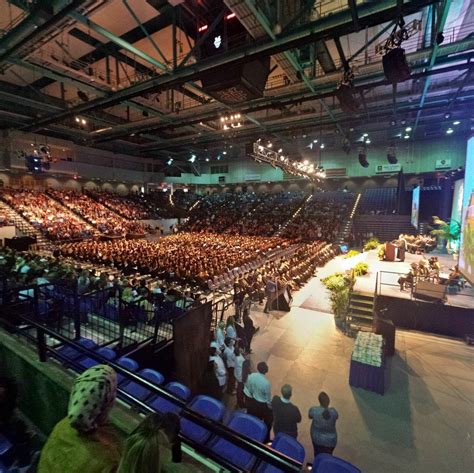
(82,442)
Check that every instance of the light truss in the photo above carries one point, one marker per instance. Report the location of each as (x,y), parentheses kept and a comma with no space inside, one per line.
(277,159)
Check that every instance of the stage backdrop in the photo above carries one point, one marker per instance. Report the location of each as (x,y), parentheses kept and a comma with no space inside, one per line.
(415,207)
(466,255)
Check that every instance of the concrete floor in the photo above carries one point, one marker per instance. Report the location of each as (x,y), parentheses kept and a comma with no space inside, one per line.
(424,422)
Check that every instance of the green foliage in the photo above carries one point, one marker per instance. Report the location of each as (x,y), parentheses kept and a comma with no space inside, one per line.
(371,244)
(352,253)
(339,285)
(361,268)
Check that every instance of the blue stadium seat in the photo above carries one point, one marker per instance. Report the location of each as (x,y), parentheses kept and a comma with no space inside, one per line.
(5,445)
(137,390)
(128,364)
(207,407)
(325,463)
(72,353)
(88,362)
(160,404)
(287,445)
(249,426)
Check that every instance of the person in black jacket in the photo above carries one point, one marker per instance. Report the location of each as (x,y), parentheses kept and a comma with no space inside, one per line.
(286,416)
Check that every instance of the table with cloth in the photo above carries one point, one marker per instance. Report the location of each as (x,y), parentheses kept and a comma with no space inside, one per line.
(369,369)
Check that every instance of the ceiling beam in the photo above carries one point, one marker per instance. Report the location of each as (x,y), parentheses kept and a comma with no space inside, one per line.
(329,26)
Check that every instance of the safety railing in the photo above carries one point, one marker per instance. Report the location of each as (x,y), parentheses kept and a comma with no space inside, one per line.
(259,450)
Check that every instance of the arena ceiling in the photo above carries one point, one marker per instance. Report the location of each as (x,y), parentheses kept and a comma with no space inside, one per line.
(126,74)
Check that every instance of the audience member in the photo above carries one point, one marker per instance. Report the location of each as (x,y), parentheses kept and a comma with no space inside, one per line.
(82,442)
(286,416)
(323,426)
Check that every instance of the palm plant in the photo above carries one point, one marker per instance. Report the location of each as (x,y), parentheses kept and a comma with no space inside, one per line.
(449,230)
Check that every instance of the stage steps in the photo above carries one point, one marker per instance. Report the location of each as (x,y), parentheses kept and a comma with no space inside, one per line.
(361,311)
(346,227)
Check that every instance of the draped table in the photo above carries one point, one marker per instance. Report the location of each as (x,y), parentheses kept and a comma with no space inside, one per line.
(368,377)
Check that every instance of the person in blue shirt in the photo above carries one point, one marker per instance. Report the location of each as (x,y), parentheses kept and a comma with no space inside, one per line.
(323,426)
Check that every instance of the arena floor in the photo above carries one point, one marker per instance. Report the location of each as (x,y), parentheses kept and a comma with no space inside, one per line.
(422,424)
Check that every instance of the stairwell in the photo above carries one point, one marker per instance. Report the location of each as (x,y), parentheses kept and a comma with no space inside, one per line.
(23,225)
(346,228)
(282,229)
(361,311)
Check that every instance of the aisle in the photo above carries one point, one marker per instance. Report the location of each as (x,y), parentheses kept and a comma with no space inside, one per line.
(424,422)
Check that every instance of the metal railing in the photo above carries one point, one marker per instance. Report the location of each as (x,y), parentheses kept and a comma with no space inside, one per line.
(260,451)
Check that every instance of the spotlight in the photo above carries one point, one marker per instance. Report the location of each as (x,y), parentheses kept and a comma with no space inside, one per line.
(449,131)
(207,160)
(367,141)
(408,129)
(280,150)
(365,135)
(456,122)
(393,122)
(83,121)
(315,141)
(224,152)
(403,122)
(322,146)
(192,158)
(78,120)
(447,115)
(406,137)
(269,145)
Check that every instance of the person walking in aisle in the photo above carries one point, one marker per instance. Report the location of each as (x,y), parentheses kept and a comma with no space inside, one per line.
(323,426)
(270,293)
(258,396)
(229,359)
(286,416)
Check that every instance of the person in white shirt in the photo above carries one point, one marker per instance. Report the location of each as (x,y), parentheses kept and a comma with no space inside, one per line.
(220,334)
(241,373)
(219,366)
(229,358)
(258,396)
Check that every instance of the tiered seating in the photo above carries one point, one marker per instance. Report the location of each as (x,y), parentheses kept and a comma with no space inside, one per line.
(243,214)
(46,215)
(321,217)
(384,227)
(287,445)
(105,220)
(325,463)
(124,206)
(379,200)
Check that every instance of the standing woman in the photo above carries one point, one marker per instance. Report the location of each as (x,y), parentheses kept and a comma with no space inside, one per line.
(323,425)
(241,373)
(230,328)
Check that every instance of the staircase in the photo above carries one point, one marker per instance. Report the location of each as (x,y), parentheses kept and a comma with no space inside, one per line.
(361,311)
(345,232)
(282,229)
(23,225)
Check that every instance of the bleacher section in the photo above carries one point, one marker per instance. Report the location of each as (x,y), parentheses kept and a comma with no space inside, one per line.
(122,205)
(384,227)
(378,201)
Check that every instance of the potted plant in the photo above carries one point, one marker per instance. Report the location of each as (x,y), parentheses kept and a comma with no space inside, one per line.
(448,231)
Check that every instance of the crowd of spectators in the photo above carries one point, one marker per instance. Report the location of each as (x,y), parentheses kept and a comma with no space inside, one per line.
(320,218)
(243,213)
(101,217)
(49,217)
(125,206)
(5,220)
(187,257)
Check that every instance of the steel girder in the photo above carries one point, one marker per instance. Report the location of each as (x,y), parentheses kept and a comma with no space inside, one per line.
(325,85)
(338,24)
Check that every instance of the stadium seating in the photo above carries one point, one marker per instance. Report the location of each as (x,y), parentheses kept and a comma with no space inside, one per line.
(247,425)
(287,445)
(137,390)
(325,463)
(160,404)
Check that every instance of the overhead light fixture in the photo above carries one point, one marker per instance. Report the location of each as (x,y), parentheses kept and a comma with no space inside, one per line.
(78,120)
(192,158)
(447,115)
(83,121)
(365,135)
(202,28)
(367,141)
(224,152)
(269,144)
(408,129)
(315,141)
(406,137)
(322,146)
(170,162)
(280,150)
(207,160)
(449,131)
(456,122)
(230,16)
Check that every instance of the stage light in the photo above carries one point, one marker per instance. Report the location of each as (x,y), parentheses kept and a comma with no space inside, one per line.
(78,120)
(83,121)
(367,141)
(207,160)
(408,129)
(282,158)
(365,135)
(406,137)
(403,122)
(280,150)
(305,162)
(315,141)
(456,122)
(449,131)
(269,145)
(393,123)
(222,119)
(192,158)
(224,152)
(322,146)
(230,16)
(169,162)
(447,115)
(202,28)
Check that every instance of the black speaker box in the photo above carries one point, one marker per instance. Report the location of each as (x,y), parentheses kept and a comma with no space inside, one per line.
(363,160)
(346,99)
(238,83)
(395,65)
(282,302)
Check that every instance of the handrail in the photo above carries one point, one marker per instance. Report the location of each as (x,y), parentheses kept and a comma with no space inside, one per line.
(262,452)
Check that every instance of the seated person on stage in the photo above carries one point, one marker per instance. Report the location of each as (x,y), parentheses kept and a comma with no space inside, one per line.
(454,277)
(407,279)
